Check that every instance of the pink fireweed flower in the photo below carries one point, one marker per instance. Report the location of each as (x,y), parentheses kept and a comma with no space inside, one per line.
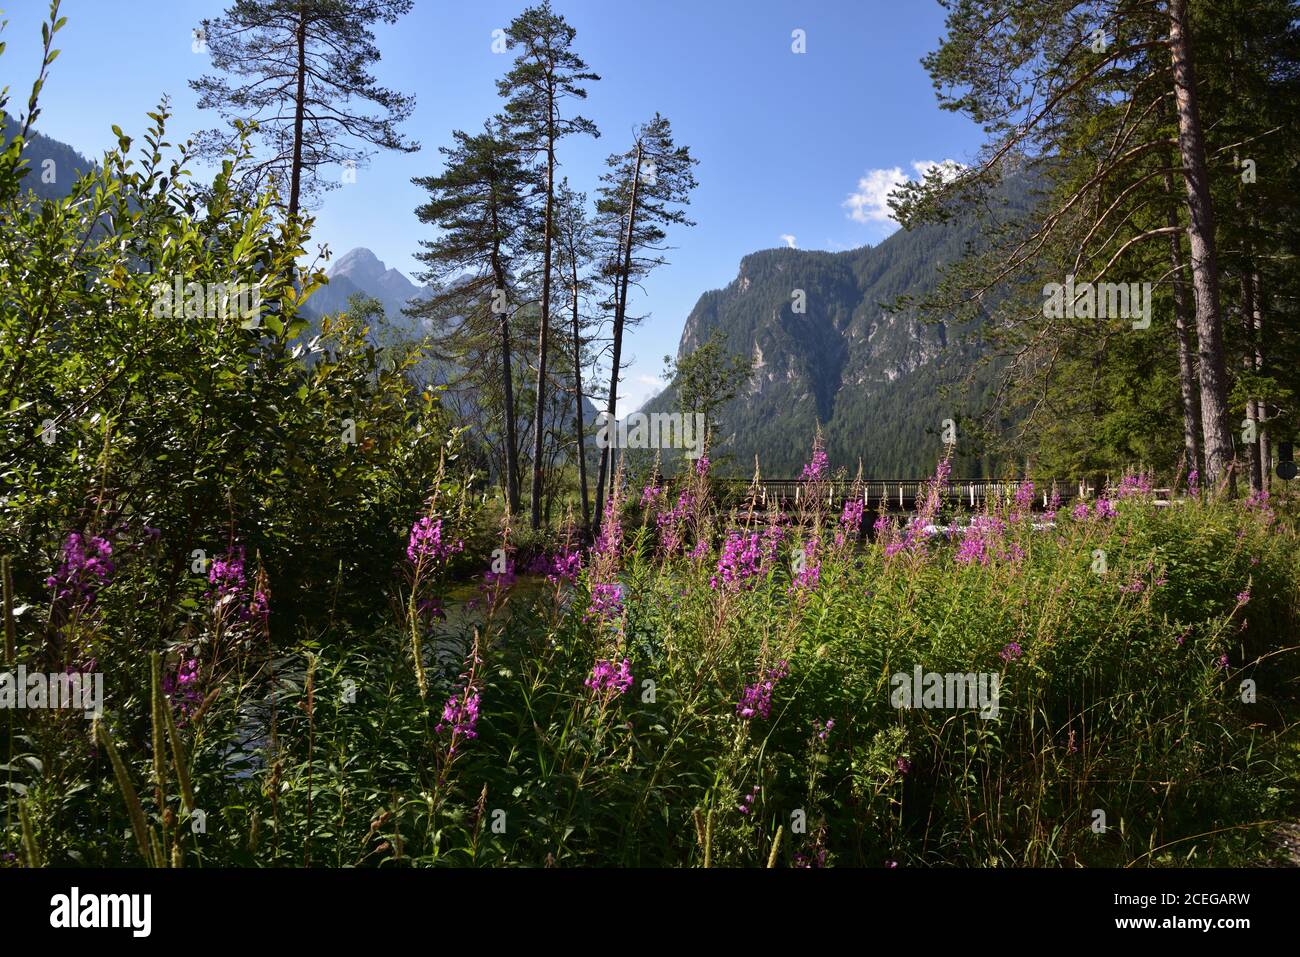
(982,542)
(229,588)
(816,469)
(609,543)
(757,698)
(807,578)
(606,602)
(1134,485)
(494,580)
(1104,508)
(1243,597)
(426,542)
(1258,502)
(1080,512)
(460,717)
(850,522)
(700,550)
(1193,482)
(672,523)
(903,765)
(1024,500)
(928,508)
(565,566)
(702,466)
(1053,504)
(744,558)
(823,729)
(747,802)
(650,494)
(87,567)
(181,687)
(815,859)
(226,573)
(609,680)
(1010,652)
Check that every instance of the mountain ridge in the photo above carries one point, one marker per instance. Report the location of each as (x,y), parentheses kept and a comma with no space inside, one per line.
(875,379)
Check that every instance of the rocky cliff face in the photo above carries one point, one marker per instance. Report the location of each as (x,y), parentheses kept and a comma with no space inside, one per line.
(827,351)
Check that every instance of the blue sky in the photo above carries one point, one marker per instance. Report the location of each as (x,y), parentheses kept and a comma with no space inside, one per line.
(794,148)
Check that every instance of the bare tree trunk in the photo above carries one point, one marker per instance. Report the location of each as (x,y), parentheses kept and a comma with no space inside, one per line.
(1187,384)
(544,332)
(1249,311)
(1265,453)
(299,109)
(620,312)
(1204,259)
(511,477)
(577,391)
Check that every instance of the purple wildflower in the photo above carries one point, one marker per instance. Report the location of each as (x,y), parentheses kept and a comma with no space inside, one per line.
(87,566)
(850,521)
(757,698)
(1134,485)
(744,558)
(1010,652)
(229,588)
(816,469)
(807,578)
(460,716)
(182,686)
(606,601)
(565,566)
(610,681)
(426,542)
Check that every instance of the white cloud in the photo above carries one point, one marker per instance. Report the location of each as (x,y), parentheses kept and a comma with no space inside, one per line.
(788,240)
(638,390)
(869,203)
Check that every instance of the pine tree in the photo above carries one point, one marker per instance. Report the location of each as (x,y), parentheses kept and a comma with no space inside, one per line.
(300,66)
(478,203)
(546,73)
(642,193)
(1095,99)
(575,248)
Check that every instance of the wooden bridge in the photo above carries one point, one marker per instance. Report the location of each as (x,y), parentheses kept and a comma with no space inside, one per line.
(881,495)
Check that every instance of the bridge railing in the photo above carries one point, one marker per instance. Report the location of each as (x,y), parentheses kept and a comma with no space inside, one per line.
(895,493)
